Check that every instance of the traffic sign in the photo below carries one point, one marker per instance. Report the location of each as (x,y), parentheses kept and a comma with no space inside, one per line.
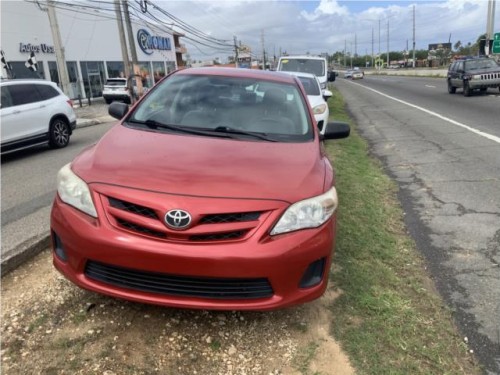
(496,43)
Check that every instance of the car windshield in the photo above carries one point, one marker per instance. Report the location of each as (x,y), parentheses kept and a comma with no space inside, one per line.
(480,64)
(241,108)
(316,67)
(310,85)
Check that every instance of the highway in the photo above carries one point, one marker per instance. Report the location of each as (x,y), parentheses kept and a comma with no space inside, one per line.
(444,153)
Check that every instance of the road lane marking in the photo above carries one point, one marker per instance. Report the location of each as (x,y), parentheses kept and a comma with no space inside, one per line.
(491,137)
(432,87)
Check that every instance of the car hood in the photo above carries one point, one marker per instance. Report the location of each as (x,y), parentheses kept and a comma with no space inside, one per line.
(204,166)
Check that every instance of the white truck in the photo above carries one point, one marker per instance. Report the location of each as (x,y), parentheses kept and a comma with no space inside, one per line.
(307,64)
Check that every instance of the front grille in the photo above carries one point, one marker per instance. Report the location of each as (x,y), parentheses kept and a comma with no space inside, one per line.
(133,208)
(138,228)
(230,218)
(159,283)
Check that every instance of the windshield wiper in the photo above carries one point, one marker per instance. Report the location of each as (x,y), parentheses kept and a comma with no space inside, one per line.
(153,124)
(229,130)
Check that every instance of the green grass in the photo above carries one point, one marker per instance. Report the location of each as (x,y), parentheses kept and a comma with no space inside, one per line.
(386,318)
(304,357)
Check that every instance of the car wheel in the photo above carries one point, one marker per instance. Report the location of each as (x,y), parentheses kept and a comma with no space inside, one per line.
(483,89)
(59,133)
(451,89)
(467,89)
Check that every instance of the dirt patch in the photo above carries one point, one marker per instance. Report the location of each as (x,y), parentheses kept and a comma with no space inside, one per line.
(50,326)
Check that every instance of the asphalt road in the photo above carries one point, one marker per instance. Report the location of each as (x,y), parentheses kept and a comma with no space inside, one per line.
(444,152)
(28,188)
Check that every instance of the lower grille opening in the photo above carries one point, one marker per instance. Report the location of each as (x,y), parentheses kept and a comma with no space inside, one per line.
(218,236)
(159,283)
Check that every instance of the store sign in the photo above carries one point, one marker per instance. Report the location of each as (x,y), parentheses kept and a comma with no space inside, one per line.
(37,48)
(149,43)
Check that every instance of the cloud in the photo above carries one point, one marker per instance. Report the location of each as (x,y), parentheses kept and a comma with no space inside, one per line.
(325,7)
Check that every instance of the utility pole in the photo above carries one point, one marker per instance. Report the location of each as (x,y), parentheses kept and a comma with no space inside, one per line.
(379,37)
(123,43)
(355,45)
(133,52)
(414,37)
(489,26)
(235,51)
(59,49)
(345,52)
(372,47)
(263,50)
(387,43)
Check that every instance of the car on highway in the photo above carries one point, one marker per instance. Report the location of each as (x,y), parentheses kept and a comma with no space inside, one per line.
(34,112)
(317,98)
(357,74)
(203,197)
(475,73)
(348,73)
(316,65)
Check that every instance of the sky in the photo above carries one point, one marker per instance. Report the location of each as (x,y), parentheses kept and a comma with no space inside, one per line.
(298,27)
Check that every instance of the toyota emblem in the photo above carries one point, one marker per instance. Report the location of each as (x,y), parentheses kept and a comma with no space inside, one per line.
(177,219)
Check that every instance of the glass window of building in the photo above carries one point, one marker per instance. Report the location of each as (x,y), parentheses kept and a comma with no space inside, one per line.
(170,66)
(158,70)
(73,79)
(146,76)
(19,70)
(54,74)
(94,77)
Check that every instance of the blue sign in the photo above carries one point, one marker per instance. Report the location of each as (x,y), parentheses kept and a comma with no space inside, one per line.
(149,43)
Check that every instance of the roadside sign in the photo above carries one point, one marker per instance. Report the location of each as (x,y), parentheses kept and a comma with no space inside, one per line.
(496,43)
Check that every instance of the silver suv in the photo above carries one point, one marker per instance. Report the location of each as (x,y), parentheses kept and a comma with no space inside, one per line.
(34,112)
(472,74)
(116,89)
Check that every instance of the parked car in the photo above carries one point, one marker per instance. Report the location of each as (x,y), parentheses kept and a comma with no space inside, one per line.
(34,112)
(203,197)
(473,74)
(116,89)
(317,98)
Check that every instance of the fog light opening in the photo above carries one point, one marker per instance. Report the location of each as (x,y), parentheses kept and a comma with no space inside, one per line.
(58,247)
(313,274)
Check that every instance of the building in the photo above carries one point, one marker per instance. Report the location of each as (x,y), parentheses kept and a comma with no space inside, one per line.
(91,43)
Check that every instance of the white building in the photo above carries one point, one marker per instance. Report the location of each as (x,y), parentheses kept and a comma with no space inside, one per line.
(91,45)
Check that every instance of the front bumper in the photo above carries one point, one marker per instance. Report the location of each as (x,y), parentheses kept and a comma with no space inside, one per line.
(283,261)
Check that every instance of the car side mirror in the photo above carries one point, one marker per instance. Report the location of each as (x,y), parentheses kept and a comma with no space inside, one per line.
(327,94)
(331,76)
(336,130)
(118,110)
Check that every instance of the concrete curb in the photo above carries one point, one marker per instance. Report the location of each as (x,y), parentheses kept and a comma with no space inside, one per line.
(24,252)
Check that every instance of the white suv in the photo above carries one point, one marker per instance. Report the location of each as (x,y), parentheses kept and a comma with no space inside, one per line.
(34,112)
(116,89)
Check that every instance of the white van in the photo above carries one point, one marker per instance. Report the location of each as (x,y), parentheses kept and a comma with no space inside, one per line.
(307,64)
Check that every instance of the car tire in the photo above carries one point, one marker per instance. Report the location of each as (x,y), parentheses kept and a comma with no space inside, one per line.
(108,101)
(483,89)
(59,133)
(451,89)
(467,89)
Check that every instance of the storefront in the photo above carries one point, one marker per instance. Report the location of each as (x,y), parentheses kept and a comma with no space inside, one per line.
(91,46)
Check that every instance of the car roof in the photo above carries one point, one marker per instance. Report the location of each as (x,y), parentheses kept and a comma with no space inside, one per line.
(299,74)
(27,80)
(239,72)
(302,57)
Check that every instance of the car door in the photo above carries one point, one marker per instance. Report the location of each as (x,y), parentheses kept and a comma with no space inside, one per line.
(26,116)
(458,73)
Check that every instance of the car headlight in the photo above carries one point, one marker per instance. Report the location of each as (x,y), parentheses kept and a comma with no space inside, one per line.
(309,213)
(319,109)
(476,76)
(74,191)
(323,85)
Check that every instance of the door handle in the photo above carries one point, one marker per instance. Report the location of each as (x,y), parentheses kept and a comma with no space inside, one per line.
(16,112)
(43,106)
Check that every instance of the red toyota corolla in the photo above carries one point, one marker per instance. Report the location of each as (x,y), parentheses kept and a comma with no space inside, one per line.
(213,192)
